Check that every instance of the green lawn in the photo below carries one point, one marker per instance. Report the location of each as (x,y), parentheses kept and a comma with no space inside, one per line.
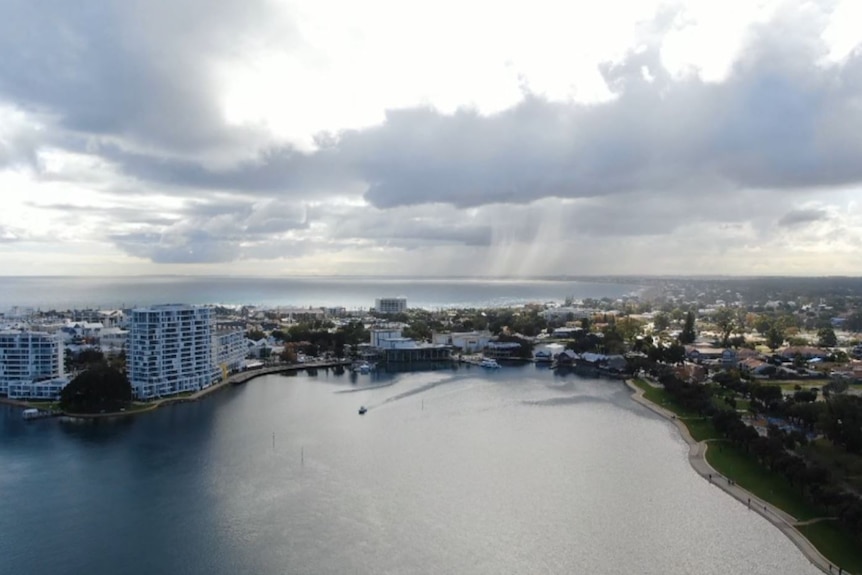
(835,544)
(660,397)
(827,536)
(750,474)
(701,429)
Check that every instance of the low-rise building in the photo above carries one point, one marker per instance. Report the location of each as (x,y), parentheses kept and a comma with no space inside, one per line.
(465,341)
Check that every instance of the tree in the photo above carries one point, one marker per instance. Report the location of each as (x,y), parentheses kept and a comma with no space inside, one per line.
(675,353)
(725,321)
(774,336)
(255,335)
(661,321)
(826,337)
(854,321)
(99,388)
(688,334)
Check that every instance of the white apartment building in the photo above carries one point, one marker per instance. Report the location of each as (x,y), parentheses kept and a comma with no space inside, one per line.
(390,304)
(231,349)
(170,350)
(31,365)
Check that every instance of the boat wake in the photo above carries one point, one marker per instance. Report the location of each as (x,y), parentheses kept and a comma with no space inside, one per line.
(571,400)
(366,387)
(418,390)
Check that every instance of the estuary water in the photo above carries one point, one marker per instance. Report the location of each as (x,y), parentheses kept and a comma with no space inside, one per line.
(350,292)
(461,470)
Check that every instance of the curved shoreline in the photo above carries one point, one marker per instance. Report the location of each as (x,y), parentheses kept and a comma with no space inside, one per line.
(785,522)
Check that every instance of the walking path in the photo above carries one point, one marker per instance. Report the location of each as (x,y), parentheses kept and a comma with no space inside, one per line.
(785,522)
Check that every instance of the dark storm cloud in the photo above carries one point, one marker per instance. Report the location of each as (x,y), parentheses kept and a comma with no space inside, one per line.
(403,228)
(777,122)
(215,232)
(280,170)
(802,217)
(780,120)
(136,71)
(134,83)
(195,246)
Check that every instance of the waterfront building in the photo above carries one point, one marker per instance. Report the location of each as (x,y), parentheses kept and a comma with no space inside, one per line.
(388,345)
(171,350)
(466,341)
(379,335)
(31,365)
(390,305)
(231,349)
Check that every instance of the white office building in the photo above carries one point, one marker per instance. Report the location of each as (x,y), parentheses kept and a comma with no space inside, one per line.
(390,304)
(31,365)
(170,350)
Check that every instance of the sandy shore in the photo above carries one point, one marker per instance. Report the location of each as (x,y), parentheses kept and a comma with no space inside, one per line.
(697,458)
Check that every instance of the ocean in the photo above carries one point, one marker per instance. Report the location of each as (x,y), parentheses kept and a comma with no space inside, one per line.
(353,293)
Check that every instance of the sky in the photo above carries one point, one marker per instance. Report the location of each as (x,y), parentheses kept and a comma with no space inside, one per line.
(470,138)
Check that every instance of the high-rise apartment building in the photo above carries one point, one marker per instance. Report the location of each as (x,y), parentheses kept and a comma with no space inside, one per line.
(170,350)
(31,365)
(231,347)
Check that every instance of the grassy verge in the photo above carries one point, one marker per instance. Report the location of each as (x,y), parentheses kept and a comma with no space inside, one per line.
(832,540)
(660,397)
(701,429)
(835,544)
(746,471)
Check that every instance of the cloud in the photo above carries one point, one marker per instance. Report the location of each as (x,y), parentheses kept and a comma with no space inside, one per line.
(137,74)
(214,232)
(801,217)
(114,114)
(782,118)
(7,235)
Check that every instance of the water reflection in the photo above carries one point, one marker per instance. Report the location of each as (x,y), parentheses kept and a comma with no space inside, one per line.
(515,471)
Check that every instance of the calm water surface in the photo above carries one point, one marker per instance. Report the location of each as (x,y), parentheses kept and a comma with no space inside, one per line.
(465,471)
(350,292)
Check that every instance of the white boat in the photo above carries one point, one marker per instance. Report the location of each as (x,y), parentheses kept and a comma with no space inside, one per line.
(363,367)
(489,363)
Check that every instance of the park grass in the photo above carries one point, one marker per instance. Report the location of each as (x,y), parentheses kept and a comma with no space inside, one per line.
(749,474)
(839,547)
(660,397)
(830,539)
(701,429)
